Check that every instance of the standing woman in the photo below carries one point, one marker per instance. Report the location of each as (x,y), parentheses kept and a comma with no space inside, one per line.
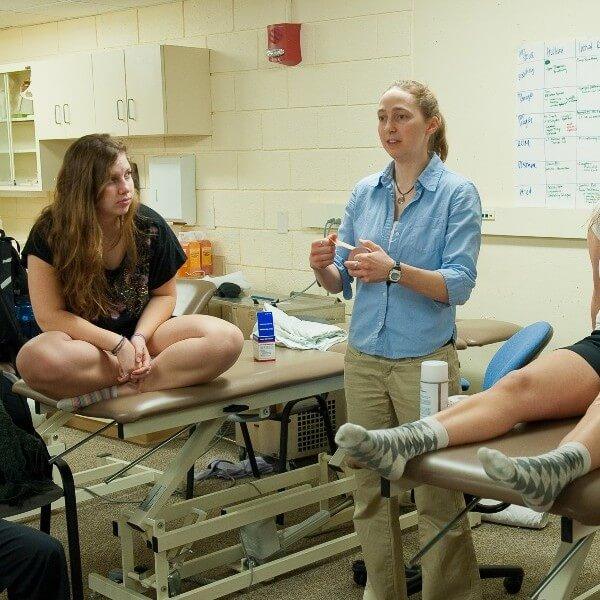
(417,230)
(101,271)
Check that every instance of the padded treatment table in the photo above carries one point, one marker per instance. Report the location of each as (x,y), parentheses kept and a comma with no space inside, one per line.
(246,381)
(578,505)
(481,332)
(469,332)
(170,529)
(193,296)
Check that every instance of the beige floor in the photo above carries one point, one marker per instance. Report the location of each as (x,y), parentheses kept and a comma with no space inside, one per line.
(332,580)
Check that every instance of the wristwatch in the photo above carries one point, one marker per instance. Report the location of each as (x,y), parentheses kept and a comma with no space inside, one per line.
(395,274)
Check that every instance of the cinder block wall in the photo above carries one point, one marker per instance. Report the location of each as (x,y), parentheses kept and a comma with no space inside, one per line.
(282,136)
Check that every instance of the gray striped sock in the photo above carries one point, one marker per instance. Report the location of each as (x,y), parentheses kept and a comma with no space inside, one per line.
(539,479)
(387,450)
(73,404)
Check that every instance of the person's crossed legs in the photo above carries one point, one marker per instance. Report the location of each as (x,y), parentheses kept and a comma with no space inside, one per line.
(185,350)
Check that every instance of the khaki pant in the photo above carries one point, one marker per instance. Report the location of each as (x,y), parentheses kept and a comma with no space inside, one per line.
(381,393)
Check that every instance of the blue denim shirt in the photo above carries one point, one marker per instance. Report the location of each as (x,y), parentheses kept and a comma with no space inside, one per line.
(439,230)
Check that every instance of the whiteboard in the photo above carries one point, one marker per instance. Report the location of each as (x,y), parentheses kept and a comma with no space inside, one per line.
(557,121)
(465,50)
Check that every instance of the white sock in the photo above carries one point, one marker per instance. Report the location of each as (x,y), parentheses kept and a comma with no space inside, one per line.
(77,402)
(387,450)
(539,479)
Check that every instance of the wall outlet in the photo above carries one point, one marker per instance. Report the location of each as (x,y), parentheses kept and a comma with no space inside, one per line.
(488,215)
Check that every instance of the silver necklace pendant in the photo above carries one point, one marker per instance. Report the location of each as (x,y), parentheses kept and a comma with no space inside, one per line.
(402,195)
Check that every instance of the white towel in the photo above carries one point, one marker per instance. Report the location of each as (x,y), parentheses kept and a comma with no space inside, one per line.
(303,335)
(516,516)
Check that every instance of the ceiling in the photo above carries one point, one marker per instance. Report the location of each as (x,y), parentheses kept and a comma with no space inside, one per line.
(14,13)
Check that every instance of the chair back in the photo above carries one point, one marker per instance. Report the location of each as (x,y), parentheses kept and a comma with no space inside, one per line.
(518,351)
(193,296)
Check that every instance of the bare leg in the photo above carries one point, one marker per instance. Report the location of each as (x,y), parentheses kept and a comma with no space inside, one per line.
(60,367)
(555,386)
(541,478)
(189,350)
(586,432)
(558,385)
(577,453)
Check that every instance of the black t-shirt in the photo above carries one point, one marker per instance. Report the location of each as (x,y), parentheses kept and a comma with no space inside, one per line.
(159,257)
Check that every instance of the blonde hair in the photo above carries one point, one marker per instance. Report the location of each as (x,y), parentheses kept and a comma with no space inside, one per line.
(71,227)
(428,105)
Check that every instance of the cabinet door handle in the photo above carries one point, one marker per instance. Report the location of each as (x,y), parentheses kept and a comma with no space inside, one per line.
(120,107)
(67,111)
(130,107)
(57,114)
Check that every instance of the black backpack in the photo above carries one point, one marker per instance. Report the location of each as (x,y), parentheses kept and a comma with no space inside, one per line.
(13,293)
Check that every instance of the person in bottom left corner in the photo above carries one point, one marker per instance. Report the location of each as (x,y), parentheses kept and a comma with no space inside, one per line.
(101,271)
(32,564)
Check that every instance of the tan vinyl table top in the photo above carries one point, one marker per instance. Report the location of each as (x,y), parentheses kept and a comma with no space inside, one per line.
(458,468)
(244,378)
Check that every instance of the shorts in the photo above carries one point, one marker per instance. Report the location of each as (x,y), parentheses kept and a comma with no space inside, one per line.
(589,349)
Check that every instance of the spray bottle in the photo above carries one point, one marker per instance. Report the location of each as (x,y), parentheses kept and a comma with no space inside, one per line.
(434,387)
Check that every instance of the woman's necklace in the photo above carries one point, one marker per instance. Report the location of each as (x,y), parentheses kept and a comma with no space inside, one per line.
(402,194)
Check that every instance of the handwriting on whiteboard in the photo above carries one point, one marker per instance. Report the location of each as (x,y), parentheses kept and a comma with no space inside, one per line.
(557,140)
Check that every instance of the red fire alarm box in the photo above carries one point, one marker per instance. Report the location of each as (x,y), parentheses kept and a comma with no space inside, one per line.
(284,43)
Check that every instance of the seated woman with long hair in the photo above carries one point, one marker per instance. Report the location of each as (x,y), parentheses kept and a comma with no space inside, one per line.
(101,271)
(562,384)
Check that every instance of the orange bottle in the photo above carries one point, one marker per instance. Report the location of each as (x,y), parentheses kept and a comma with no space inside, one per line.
(195,269)
(207,257)
(185,246)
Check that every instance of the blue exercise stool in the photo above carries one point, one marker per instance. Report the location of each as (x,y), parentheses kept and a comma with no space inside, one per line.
(518,350)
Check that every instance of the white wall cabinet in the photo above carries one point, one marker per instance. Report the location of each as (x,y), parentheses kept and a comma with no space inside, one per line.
(147,69)
(63,93)
(152,90)
(139,90)
(25,164)
(110,96)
